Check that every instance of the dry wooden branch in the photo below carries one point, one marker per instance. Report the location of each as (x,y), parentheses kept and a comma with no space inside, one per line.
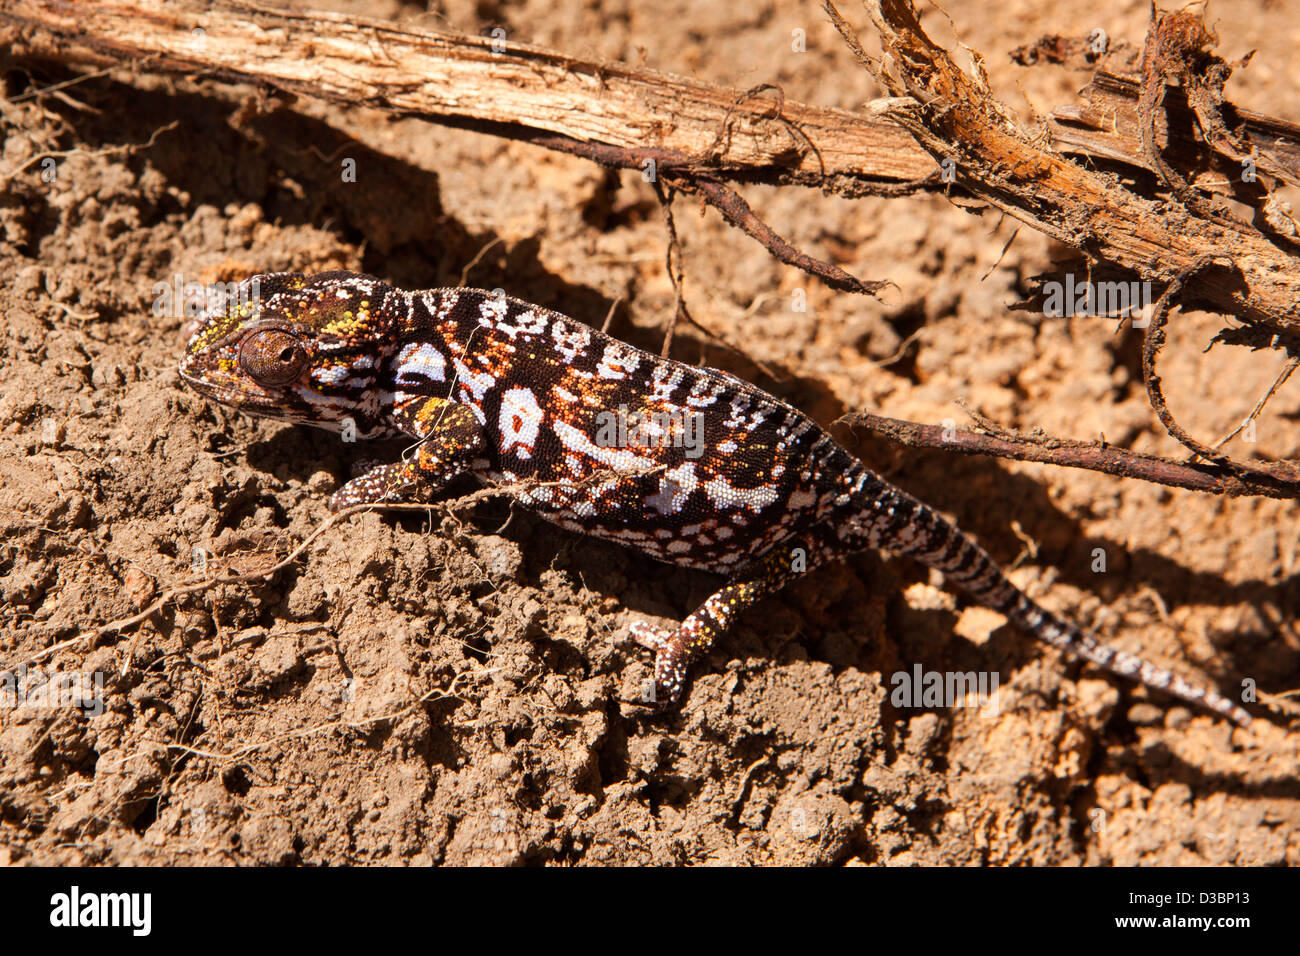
(668,126)
(1106,126)
(955,117)
(1093,456)
(1280,474)
(422,72)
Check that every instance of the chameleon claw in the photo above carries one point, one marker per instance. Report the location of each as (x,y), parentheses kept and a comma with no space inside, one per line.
(649,636)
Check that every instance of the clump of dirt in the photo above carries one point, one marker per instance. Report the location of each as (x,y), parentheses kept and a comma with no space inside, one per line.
(452,686)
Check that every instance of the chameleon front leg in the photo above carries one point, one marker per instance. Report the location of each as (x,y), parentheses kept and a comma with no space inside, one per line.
(675,650)
(450,439)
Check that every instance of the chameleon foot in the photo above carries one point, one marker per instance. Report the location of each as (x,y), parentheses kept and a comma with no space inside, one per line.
(671,660)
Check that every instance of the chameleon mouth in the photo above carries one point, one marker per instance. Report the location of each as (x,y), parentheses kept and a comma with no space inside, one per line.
(200,381)
(233,393)
(200,385)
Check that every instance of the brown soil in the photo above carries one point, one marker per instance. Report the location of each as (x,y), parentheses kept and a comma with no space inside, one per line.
(441,689)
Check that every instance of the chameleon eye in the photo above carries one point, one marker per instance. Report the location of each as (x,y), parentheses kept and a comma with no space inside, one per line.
(273,357)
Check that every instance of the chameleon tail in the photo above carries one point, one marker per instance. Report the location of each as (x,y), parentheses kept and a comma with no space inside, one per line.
(885,517)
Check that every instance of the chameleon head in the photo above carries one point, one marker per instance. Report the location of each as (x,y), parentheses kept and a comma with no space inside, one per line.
(293,347)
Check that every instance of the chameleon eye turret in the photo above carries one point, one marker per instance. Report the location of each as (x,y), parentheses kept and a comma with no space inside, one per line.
(273,357)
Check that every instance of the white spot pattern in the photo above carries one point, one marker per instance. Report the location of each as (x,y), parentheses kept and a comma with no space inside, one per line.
(331,375)
(419,363)
(571,339)
(617,362)
(520,421)
(674,488)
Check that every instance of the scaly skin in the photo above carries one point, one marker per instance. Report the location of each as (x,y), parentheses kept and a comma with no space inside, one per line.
(709,472)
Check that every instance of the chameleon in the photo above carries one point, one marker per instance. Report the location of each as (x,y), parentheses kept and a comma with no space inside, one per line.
(689,465)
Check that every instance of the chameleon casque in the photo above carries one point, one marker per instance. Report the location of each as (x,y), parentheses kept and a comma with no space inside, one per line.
(514,393)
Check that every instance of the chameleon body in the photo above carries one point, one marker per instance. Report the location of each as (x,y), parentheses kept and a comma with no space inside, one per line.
(688,465)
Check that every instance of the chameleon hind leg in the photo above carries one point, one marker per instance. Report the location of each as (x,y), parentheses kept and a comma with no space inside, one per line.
(675,650)
(450,439)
